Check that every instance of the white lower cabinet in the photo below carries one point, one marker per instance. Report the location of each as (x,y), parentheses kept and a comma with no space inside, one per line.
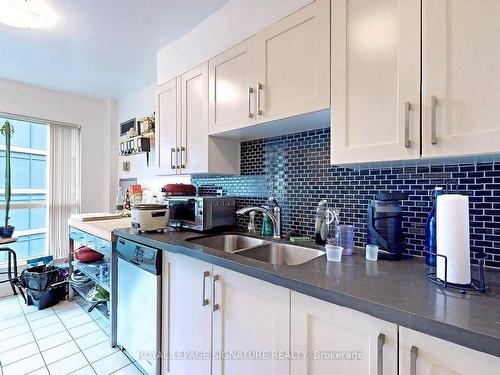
(220,322)
(222,330)
(187,317)
(333,337)
(421,354)
(251,318)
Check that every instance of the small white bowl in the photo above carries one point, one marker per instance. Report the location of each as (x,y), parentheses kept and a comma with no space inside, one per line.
(334,253)
(371,253)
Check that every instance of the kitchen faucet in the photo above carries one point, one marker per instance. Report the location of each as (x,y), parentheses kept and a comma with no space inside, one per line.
(274,215)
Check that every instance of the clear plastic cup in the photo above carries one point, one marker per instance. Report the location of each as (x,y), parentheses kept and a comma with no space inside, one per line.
(333,253)
(344,236)
(371,253)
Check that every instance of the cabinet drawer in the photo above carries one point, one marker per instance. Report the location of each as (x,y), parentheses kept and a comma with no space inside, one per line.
(90,241)
(103,246)
(77,235)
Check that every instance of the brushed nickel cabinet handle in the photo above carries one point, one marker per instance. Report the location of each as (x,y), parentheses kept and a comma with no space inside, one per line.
(204,301)
(172,150)
(215,305)
(250,92)
(177,152)
(259,89)
(183,155)
(413,360)
(433,119)
(407,124)
(380,354)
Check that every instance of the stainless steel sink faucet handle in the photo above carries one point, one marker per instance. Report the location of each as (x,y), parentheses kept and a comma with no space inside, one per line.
(273,200)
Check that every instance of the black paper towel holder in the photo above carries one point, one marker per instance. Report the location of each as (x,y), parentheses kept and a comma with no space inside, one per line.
(474,286)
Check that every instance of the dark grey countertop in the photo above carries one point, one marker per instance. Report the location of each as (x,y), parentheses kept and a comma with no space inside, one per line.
(395,291)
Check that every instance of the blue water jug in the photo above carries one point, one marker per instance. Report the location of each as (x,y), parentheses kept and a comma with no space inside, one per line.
(430,230)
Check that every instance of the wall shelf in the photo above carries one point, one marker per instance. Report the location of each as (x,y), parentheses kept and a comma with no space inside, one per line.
(150,135)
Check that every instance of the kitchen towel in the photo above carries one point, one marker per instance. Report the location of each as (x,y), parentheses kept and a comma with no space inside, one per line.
(453,238)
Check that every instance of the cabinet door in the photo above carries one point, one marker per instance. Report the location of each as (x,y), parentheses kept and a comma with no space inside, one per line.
(167,116)
(294,64)
(187,315)
(325,331)
(375,80)
(193,134)
(251,316)
(460,77)
(421,354)
(232,77)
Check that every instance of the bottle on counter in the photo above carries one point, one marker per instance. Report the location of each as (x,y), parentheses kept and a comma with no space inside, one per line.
(430,230)
(119,200)
(251,223)
(267,227)
(324,217)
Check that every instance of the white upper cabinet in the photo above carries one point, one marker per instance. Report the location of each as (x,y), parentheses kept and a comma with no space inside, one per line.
(293,64)
(193,129)
(281,72)
(375,80)
(167,115)
(460,77)
(232,76)
(184,146)
(421,354)
(250,316)
(322,328)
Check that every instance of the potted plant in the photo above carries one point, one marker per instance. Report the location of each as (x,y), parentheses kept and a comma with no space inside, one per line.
(7,230)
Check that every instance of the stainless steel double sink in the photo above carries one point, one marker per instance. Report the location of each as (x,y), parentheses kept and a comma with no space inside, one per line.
(270,252)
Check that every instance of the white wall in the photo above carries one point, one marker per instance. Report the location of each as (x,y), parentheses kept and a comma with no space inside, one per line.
(234,22)
(92,114)
(231,24)
(138,104)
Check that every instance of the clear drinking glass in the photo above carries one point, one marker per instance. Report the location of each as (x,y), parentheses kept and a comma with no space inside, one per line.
(344,236)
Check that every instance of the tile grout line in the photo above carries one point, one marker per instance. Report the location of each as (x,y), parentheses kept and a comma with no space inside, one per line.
(81,351)
(119,350)
(94,319)
(72,338)
(36,341)
(30,331)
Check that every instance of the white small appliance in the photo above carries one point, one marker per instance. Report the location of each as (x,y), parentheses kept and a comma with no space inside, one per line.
(149,217)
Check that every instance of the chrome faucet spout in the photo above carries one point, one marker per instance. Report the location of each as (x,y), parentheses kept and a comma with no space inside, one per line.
(274,216)
(246,210)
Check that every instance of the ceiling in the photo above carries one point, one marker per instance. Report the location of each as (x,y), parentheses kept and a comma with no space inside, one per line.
(99,48)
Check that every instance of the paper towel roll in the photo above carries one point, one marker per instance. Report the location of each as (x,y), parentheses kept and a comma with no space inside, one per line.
(453,238)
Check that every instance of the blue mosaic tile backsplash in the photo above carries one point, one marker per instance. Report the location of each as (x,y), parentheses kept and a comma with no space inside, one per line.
(296,170)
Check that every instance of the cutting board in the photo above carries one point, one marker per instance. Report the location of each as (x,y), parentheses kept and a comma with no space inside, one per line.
(95,216)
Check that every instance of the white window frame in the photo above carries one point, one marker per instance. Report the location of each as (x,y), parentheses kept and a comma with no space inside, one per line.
(14,205)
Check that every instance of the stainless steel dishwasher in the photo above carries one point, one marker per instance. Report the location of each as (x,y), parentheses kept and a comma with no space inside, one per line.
(139,304)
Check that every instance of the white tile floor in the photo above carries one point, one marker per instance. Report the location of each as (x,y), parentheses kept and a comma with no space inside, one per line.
(64,339)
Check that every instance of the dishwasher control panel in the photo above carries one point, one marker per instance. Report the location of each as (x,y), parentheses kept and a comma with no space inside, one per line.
(142,256)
